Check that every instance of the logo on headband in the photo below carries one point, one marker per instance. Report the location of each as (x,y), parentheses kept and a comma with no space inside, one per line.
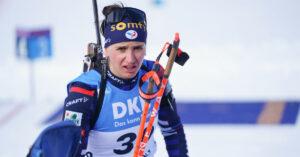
(131,34)
(128,25)
(108,40)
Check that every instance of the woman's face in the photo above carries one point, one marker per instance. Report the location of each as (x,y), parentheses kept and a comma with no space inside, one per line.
(125,58)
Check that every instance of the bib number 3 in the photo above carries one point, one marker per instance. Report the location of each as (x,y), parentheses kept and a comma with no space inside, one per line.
(128,143)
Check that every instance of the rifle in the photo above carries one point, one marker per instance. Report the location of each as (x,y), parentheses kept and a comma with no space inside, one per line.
(94,59)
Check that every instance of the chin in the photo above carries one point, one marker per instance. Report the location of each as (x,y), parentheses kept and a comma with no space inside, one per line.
(129,75)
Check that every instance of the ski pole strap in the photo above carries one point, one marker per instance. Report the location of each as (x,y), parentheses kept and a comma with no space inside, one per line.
(149,95)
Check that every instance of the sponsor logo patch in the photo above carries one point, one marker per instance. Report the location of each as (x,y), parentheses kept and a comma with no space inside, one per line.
(76,117)
(108,40)
(130,25)
(131,34)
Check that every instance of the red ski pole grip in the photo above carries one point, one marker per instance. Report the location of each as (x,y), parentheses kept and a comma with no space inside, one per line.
(176,37)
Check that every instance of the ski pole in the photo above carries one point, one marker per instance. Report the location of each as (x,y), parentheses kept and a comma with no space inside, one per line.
(143,139)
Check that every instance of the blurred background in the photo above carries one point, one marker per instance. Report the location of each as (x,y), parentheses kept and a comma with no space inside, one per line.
(238,95)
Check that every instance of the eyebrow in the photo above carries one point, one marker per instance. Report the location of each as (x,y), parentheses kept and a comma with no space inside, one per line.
(122,47)
(125,46)
(138,46)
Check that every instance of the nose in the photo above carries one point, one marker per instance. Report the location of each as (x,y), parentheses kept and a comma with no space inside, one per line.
(130,57)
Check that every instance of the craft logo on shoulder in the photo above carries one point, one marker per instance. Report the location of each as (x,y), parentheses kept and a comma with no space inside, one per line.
(75,101)
(131,34)
(76,117)
(130,25)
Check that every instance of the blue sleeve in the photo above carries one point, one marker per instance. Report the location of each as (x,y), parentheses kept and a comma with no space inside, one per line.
(171,127)
(80,105)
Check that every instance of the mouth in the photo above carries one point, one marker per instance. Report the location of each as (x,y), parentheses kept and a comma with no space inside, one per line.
(130,68)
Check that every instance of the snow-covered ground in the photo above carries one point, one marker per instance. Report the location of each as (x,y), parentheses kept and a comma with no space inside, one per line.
(240,50)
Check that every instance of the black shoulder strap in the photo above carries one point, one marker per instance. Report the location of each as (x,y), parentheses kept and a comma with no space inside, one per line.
(145,68)
(102,69)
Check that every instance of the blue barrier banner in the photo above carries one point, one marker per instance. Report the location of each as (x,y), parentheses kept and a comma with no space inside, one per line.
(269,112)
(33,44)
